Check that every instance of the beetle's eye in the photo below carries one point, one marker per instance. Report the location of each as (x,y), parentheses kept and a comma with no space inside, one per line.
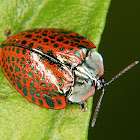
(94,81)
(103,81)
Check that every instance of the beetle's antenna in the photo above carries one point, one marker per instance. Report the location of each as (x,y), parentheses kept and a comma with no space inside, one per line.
(103,90)
(97,108)
(122,72)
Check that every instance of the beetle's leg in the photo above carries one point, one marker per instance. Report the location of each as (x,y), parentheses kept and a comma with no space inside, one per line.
(83,106)
(3,97)
(69,102)
(7,33)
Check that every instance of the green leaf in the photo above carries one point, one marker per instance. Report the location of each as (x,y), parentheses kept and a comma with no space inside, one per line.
(21,119)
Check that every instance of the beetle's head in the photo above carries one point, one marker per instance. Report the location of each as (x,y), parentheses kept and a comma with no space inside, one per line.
(100,83)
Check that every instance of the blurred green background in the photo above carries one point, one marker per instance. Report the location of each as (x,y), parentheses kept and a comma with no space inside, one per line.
(119,116)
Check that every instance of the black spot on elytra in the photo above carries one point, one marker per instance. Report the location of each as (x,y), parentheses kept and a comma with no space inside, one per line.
(31,44)
(13,75)
(38,36)
(30,31)
(11,69)
(81,46)
(76,44)
(52,31)
(44,34)
(50,53)
(51,63)
(60,39)
(9,48)
(52,41)
(58,101)
(28,61)
(80,37)
(35,39)
(61,49)
(66,42)
(45,40)
(72,36)
(65,32)
(12,58)
(55,45)
(76,40)
(49,100)
(70,48)
(85,42)
(45,31)
(40,48)
(52,37)
(17,50)
(23,42)
(29,36)
(23,51)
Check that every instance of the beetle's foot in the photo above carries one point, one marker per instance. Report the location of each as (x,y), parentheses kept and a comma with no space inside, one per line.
(69,102)
(83,106)
(3,97)
(7,33)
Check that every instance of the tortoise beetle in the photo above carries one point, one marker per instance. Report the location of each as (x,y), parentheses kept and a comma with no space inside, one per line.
(46,66)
